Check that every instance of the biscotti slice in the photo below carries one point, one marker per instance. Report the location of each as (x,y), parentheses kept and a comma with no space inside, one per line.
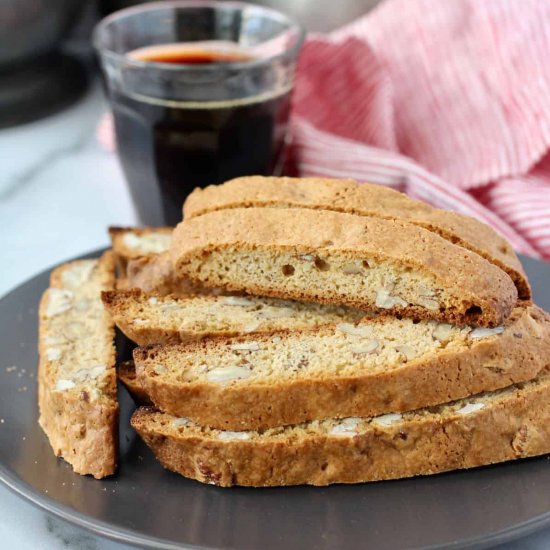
(330,257)
(377,366)
(363,199)
(155,274)
(134,242)
(126,373)
(493,427)
(76,374)
(147,319)
(143,261)
(131,244)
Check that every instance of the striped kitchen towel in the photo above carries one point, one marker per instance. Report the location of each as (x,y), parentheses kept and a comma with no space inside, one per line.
(446,101)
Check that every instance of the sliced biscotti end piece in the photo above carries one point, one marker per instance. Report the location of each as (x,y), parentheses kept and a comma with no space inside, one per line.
(133,242)
(155,274)
(493,427)
(374,367)
(363,199)
(148,319)
(126,373)
(330,257)
(76,375)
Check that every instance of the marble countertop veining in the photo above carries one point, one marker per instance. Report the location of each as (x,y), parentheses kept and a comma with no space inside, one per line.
(59,190)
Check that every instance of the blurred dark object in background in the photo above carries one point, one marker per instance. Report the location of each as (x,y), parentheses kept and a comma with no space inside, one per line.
(109,6)
(315,15)
(37,78)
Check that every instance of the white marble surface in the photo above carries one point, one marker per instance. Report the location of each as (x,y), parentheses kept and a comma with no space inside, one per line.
(58,192)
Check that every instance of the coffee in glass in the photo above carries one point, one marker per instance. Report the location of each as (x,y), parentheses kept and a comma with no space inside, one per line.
(200,93)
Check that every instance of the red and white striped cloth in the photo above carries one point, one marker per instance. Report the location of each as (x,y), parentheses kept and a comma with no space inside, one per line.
(447,101)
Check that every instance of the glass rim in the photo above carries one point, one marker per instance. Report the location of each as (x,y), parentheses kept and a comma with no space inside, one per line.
(155,6)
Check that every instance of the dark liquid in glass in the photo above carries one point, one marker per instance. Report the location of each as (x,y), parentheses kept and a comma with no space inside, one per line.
(167,148)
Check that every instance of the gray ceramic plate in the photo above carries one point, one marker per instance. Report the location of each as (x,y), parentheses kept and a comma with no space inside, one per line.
(150,507)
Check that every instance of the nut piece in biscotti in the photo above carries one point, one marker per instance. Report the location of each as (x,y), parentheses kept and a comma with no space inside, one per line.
(363,199)
(76,374)
(493,427)
(330,257)
(148,319)
(377,366)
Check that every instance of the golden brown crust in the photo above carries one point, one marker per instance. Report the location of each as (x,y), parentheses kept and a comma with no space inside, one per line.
(81,429)
(363,199)
(511,425)
(516,355)
(482,292)
(126,373)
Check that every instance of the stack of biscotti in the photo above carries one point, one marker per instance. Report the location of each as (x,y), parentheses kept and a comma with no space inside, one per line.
(373,337)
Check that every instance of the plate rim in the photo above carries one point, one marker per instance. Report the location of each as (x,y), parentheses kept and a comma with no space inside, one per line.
(17,486)
(123,535)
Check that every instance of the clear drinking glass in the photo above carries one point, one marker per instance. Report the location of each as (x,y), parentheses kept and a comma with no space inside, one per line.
(200,93)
